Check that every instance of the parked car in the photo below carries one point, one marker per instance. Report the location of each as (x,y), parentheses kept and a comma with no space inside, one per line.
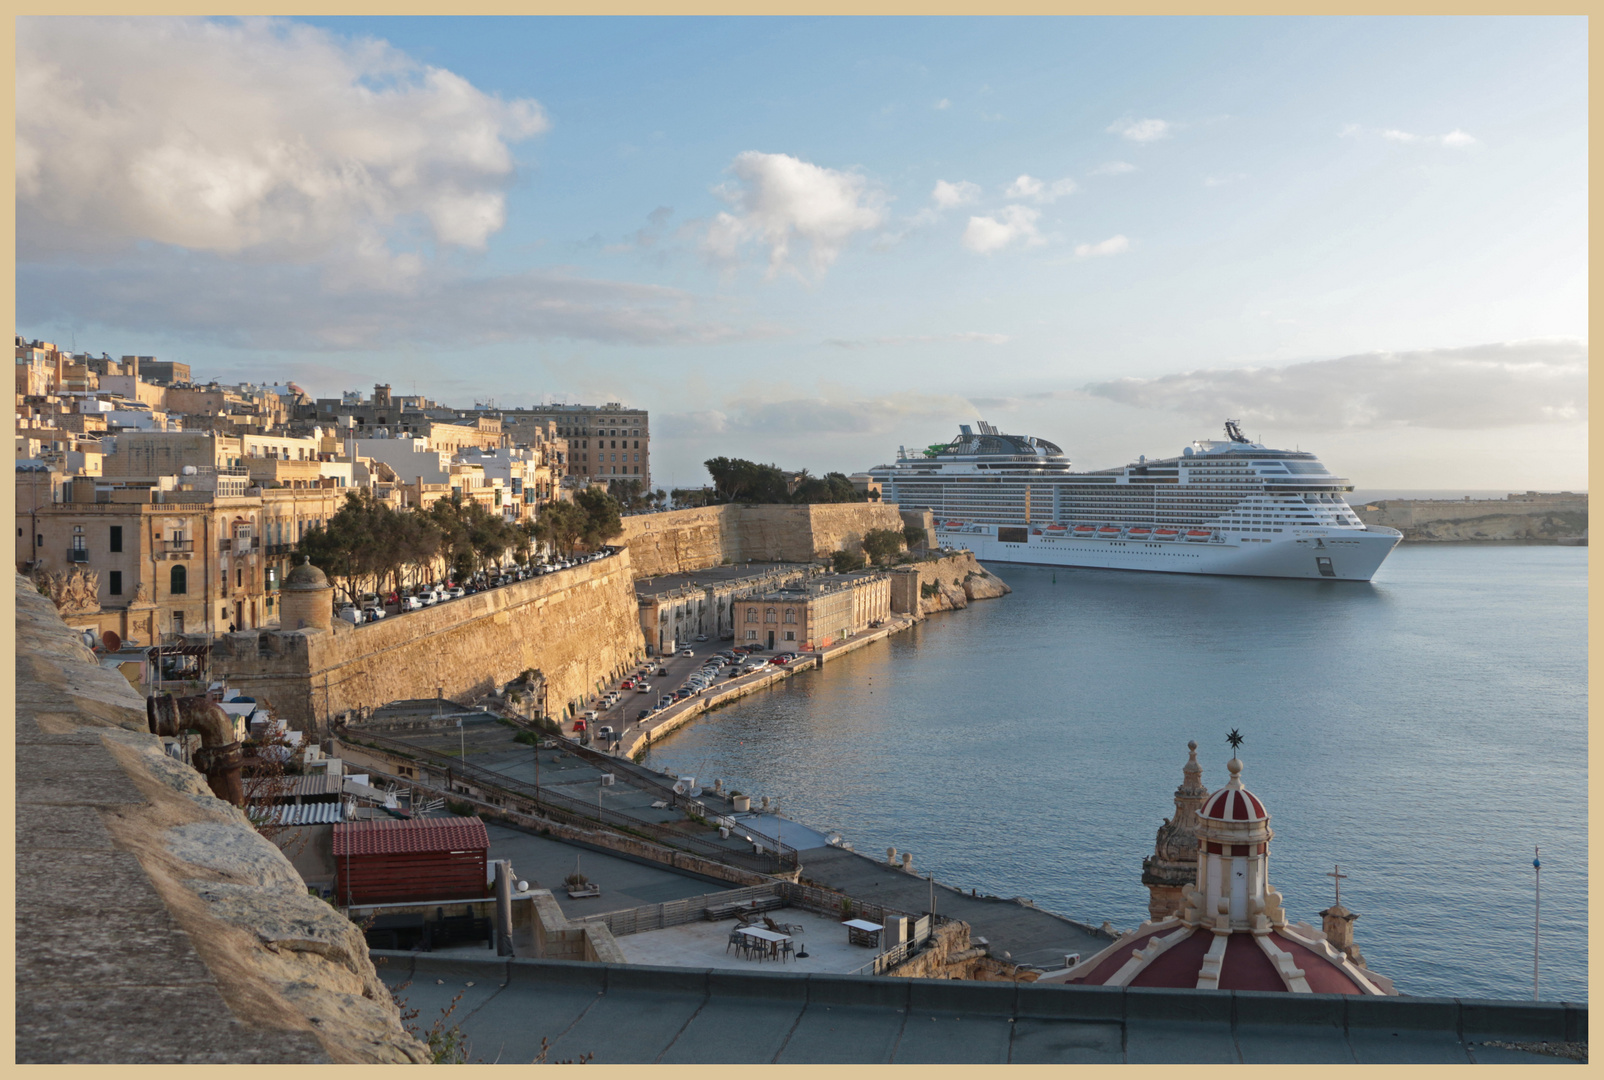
(410,603)
(591,715)
(627,684)
(456,593)
(350,614)
(643,714)
(781,660)
(701,637)
(373,612)
(687,652)
(662,671)
(665,701)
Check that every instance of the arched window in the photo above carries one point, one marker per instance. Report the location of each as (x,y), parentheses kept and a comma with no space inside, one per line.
(178,580)
(751,614)
(769,615)
(790,615)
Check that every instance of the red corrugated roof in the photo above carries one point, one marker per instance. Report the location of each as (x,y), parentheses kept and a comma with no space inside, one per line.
(411,837)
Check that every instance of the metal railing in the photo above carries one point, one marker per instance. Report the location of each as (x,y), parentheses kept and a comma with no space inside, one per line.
(77,555)
(578,811)
(178,545)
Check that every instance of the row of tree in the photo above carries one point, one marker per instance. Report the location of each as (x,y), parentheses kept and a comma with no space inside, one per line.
(739,480)
(371,546)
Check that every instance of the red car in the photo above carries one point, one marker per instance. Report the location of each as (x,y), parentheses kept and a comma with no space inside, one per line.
(627,684)
(782,660)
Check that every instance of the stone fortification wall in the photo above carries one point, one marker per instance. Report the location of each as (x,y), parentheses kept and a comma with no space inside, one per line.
(154,924)
(945,584)
(1519,517)
(579,627)
(684,540)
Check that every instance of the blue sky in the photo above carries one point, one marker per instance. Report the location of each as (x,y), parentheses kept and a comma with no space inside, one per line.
(809,241)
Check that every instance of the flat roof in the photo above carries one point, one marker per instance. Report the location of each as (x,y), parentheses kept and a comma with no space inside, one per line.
(713,575)
(625,1014)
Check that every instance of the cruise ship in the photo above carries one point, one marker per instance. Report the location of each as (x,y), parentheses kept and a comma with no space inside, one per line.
(1221,506)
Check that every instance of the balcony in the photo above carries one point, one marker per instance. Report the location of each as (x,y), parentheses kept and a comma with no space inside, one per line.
(77,555)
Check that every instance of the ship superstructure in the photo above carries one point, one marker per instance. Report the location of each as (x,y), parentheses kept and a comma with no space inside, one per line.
(1221,506)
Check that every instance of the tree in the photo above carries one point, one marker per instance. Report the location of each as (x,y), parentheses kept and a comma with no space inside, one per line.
(832,487)
(603,516)
(739,480)
(915,535)
(844,562)
(882,544)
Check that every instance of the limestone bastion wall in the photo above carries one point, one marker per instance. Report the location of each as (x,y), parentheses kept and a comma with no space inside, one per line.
(680,541)
(1522,517)
(944,584)
(579,627)
(154,924)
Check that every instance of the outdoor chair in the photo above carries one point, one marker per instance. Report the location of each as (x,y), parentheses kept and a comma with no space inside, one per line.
(787,949)
(737,939)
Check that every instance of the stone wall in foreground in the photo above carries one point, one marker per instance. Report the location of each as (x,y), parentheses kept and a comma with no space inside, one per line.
(684,540)
(579,627)
(154,924)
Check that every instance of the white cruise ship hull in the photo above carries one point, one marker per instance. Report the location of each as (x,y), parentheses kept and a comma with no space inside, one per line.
(1320,554)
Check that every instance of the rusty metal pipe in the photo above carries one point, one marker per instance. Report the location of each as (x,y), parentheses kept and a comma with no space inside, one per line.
(219,756)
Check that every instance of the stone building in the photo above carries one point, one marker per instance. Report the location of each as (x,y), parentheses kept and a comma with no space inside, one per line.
(813,614)
(605,442)
(1173,864)
(1231,931)
(677,608)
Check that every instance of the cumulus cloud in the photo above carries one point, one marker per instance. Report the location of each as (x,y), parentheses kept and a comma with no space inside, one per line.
(1114,245)
(776,199)
(963,337)
(948,195)
(258,138)
(1113,168)
(1014,224)
(1140,130)
(1483,386)
(1028,187)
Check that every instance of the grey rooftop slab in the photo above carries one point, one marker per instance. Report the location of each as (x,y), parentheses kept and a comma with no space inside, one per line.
(636,1014)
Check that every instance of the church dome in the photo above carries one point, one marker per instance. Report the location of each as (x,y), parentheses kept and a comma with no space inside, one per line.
(305,576)
(1234,804)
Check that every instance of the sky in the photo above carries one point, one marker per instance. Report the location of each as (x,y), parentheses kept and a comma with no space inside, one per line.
(810,241)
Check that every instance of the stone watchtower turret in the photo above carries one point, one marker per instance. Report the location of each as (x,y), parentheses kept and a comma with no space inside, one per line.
(1173,864)
(307,599)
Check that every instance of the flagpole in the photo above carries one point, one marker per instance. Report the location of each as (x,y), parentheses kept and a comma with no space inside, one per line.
(1537,922)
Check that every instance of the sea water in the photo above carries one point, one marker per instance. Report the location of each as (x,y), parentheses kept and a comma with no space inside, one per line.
(1425,731)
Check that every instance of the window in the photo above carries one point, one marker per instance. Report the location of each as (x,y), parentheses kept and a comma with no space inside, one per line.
(769,615)
(239,577)
(790,615)
(178,616)
(790,635)
(116,543)
(751,635)
(751,614)
(114,583)
(178,585)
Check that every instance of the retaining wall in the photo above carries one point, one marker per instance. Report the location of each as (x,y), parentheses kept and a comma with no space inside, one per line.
(579,627)
(680,541)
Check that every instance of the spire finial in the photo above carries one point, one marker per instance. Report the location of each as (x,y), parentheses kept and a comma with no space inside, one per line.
(1337,878)
(1236,740)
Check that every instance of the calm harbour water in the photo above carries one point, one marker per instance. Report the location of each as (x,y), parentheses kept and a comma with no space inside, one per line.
(1424,731)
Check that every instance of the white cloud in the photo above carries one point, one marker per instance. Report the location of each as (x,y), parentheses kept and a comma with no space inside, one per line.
(948,195)
(962,337)
(1453,140)
(1224,178)
(778,199)
(1113,168)
(943,104)
(1114,245)
(987,234)
(258,138)
(1028,187)
(1483,386)
(1140,130)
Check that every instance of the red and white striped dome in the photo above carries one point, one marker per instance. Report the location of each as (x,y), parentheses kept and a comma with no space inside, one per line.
(1234,804)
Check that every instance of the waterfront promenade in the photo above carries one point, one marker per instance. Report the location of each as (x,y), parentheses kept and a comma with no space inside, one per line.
(640,735)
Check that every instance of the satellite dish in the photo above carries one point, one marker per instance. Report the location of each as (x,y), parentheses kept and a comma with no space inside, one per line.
(111,641)
(523,886)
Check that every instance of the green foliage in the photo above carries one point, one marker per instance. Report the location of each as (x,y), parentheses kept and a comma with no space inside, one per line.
(913,535)
(929,590)
(844,562)
(603,516)
(882,544)
(739,480)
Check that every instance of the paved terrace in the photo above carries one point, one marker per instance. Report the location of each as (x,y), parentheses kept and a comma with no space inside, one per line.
(630,1014)
(1032,935)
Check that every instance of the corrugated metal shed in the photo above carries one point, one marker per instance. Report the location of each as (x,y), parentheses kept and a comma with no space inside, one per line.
(377,862)
(323,813)
(412,837)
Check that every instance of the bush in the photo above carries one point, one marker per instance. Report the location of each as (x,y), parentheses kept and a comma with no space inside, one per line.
(913,535)
(844,562)
(881,544)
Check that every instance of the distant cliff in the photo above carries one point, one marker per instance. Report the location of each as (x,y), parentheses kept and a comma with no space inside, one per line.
(1553,517)
(944,584)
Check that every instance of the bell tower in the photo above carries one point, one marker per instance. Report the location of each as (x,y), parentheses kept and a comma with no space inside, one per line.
(1232,891)
(1173,864)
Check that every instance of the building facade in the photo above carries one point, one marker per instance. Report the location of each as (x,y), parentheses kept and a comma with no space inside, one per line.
(813,614)
(606,443)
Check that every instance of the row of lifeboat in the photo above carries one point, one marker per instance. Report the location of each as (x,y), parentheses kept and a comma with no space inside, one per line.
(1113,532)
(1133,532)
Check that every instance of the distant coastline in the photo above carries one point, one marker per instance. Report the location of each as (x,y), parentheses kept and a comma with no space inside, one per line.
(1532,516)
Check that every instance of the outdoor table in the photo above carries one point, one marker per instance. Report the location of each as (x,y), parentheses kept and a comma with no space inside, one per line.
(863,932)
(769,939)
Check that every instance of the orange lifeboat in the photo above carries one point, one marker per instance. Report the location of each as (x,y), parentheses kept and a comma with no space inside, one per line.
(1107,531)
(1198,535)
